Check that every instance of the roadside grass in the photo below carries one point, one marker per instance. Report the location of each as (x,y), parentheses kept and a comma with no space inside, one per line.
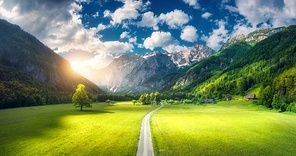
(228,128)
(65,130)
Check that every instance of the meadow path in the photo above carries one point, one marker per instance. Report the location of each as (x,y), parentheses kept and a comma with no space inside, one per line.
(145,146)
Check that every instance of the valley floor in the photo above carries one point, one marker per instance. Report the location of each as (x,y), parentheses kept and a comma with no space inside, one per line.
(227,128)
(65,130)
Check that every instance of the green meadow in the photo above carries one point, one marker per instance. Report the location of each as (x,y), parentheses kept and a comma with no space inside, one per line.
(65,130)
(227,128)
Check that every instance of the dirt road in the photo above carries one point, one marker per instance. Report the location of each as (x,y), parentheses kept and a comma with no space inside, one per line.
(145,146)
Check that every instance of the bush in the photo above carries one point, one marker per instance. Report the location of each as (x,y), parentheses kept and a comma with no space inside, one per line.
(255,102)
(291,108)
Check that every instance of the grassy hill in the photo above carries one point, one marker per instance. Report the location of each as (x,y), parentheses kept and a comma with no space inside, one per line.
(241,68)
(31,73)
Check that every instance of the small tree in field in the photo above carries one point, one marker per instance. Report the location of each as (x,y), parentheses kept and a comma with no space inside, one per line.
(134,102)
(80,97)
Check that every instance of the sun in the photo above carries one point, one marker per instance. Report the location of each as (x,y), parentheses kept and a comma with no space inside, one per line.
(76,65)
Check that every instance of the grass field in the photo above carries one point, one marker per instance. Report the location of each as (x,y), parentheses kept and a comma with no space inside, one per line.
(64,130)
(227,128)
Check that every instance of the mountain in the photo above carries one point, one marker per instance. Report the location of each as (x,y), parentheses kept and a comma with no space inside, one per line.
(268,68)
(146,72)
(252,38)
(31,73)
(209,67)
(190,56)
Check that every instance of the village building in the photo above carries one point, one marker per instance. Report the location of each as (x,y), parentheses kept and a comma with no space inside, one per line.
(251,97)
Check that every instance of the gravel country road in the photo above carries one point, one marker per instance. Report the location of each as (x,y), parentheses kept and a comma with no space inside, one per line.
(145,146)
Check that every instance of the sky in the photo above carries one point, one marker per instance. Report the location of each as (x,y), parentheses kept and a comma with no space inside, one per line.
(94,32)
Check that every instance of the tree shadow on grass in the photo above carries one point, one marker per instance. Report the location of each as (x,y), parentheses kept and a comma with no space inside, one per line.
(20,126)
(90,111)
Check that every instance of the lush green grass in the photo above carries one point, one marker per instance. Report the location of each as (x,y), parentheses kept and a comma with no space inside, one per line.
(64,130)
(227,128)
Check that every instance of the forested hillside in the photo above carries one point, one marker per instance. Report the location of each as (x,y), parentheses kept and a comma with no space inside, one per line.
(270,66)
(31,73)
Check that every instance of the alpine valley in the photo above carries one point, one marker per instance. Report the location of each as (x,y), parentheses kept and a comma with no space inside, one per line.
(135,73)
(262,62)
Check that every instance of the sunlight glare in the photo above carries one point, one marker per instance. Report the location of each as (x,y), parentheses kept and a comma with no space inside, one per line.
(76,65)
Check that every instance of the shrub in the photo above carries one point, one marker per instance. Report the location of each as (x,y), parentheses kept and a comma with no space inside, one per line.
(291,108)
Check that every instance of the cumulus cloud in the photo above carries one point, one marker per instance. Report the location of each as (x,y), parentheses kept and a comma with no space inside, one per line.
(241,28)
(149,20)
(276,13)
(217,37)
(115,47)
(132,39)
(189,34)
(192,3)
(175,19)
(124,35)
(129,11)
(206,15)
(96,62)
(58,24)
(158,39)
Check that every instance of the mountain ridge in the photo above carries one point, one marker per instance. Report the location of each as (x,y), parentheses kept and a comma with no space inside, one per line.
(27,64)
(268,67)
(251,38)
(148,72)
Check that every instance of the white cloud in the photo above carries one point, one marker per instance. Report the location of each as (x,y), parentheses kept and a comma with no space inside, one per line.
(217,37)
(192,3)
(158,39)
(277,13)
(58,24)
(149,20)
(189,34)
(124,35)
(107,13)
(132,39)
(96,15)
(101,27)
(206,15)
(145,6)
(98,61)
(129,11)
(231,8)
(175,19)
(114,47)
(242,29)
(175,48)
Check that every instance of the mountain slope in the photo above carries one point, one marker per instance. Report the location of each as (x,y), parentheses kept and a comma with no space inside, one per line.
(147,72)
(252,38)
(264,66)
(136,73)
(209,67)
(31,73)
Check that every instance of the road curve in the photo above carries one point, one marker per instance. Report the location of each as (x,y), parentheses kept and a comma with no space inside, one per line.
(145,146)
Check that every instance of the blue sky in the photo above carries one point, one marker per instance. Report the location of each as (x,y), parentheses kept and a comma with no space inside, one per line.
(94,32)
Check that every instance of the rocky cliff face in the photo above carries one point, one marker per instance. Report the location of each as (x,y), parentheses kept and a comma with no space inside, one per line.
(148,72)
(192,55)
(251,38)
